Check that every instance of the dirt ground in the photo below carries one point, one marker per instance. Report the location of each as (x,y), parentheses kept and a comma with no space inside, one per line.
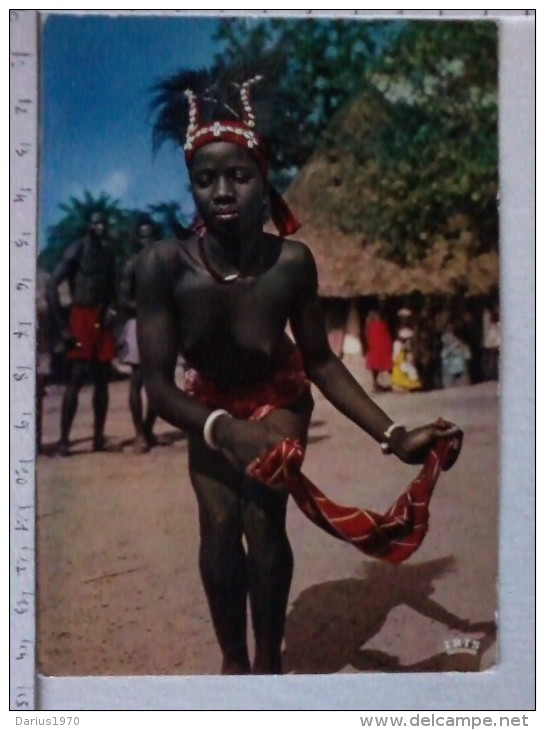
(118,585)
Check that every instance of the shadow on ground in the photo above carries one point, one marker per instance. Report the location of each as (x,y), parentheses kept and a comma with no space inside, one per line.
(330,623)
(79,446)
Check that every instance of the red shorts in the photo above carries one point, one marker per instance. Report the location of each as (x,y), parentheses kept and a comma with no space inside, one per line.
(94,341)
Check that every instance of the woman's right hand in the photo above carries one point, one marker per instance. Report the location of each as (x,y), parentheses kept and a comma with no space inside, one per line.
(413,447)
(243,441)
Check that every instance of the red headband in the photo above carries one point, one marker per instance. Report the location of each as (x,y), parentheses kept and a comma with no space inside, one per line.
(244,135)
(235,132)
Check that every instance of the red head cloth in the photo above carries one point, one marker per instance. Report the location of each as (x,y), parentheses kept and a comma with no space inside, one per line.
(243,134)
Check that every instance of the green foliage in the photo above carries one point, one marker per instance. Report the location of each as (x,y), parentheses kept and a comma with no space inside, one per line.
(169,219)
(435,160)
(311,69)
(123,225)
(409,112)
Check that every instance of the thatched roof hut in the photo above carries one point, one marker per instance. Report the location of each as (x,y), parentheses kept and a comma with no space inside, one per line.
(349,265)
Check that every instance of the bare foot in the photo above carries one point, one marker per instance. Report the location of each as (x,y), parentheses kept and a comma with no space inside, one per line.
(154,440)
(63,449)
(99,443)
(235,668)
(140,446)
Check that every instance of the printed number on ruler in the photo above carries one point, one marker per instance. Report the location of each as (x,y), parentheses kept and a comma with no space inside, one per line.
(23,177)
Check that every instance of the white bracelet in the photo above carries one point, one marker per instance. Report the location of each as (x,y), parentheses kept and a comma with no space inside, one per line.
(208,429)
(385,445)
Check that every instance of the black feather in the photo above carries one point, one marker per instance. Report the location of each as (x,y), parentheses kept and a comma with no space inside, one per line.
(218,92)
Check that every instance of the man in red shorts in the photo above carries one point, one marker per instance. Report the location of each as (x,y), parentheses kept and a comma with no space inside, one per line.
(88,266)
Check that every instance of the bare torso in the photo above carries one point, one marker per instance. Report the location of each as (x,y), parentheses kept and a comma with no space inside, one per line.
(233,332)
(91,273)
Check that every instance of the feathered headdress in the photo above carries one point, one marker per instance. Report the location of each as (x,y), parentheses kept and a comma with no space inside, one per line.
(196,110)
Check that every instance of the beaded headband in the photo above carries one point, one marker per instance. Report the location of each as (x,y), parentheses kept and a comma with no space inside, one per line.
(244,134)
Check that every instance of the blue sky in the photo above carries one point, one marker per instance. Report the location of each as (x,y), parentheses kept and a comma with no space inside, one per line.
(96,132)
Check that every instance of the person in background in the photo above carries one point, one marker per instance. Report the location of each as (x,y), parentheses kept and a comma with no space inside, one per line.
(89,268)
(491,342)
(425,349)
(469,328)
(455,356)
(405,378)
(379,347)
(44,345)
(128,345)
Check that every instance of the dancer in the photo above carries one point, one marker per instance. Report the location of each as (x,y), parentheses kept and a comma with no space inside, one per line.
(223,299)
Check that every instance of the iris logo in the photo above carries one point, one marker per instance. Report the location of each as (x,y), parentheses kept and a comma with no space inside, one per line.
(462,646)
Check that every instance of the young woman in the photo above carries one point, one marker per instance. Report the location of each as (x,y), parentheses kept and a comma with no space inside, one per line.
(223,299)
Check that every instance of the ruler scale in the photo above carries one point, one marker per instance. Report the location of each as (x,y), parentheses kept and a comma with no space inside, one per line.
(23,213)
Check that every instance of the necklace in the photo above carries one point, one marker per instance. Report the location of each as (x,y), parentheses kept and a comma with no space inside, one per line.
(229,278)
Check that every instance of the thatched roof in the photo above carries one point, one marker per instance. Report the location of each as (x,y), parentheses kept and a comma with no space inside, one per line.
(349,266)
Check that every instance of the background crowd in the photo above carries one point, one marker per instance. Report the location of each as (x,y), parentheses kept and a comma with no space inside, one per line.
(431,342)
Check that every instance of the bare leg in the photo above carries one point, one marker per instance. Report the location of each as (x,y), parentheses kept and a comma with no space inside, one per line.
(222,559)
(270,571)
(142,425)
(135,406)
(101,371)
(149,422)
(70,403)
(377,387)
(270,558)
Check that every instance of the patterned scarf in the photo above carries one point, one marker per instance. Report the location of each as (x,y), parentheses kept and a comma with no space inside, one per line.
(393,536)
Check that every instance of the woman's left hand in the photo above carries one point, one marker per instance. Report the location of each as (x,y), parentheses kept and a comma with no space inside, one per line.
(413,446)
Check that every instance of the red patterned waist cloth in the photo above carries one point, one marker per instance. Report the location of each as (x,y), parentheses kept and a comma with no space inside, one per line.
(283,389)
(393,536)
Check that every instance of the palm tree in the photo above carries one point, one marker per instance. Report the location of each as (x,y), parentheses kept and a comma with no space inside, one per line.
(168,216)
